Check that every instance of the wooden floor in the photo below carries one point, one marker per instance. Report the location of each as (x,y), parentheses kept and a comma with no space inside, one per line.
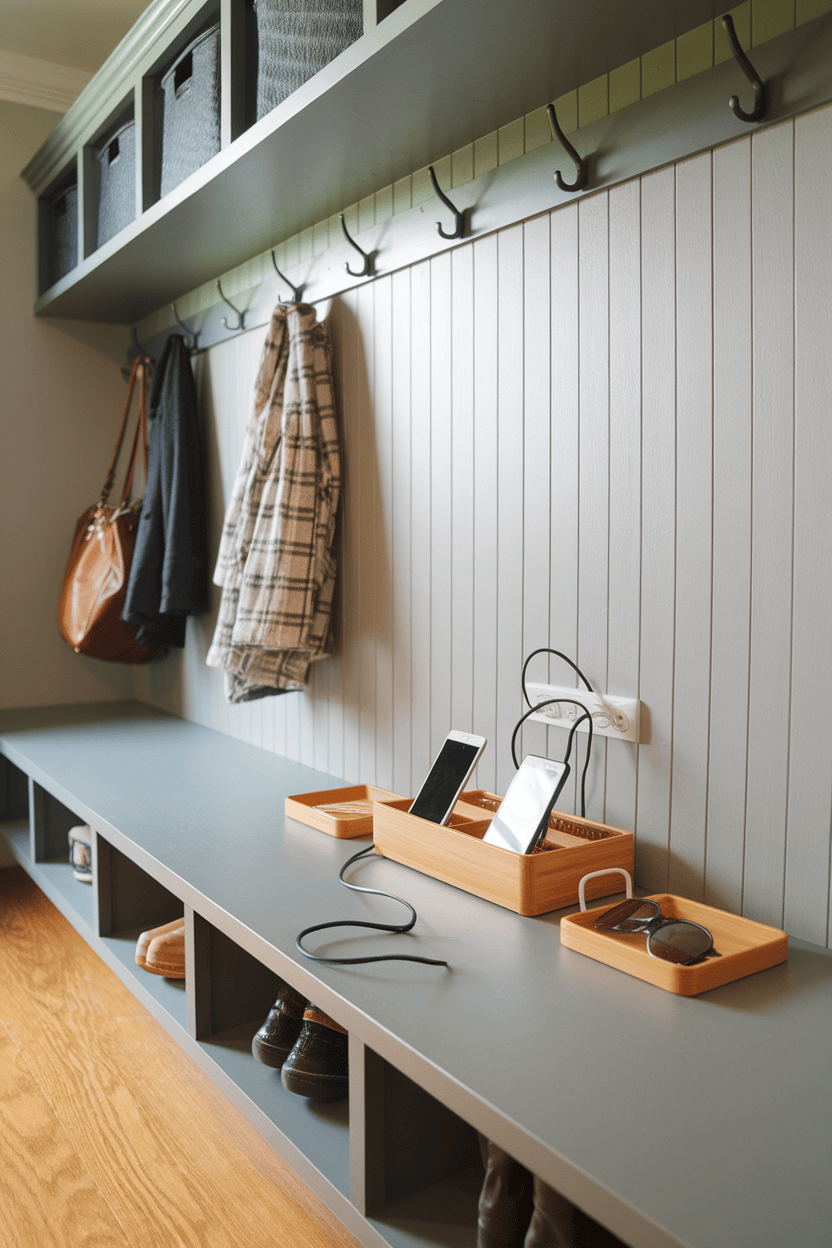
(109,1134)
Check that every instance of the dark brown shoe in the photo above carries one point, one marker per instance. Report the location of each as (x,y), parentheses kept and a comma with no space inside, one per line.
(276,1038)
(318,1065)
(556,1222)
(505,1205)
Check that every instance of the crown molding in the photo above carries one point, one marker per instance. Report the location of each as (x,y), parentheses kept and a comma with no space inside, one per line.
(40,84)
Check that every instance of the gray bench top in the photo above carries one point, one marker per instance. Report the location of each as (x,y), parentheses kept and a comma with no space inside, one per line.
(704,1121)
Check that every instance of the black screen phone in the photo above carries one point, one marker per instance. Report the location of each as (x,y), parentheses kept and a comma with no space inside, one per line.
(447,777)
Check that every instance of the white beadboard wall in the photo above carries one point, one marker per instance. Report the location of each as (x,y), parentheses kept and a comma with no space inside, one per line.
(606,429)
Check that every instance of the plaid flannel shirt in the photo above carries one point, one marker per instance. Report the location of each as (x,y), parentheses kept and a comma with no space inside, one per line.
(275,563)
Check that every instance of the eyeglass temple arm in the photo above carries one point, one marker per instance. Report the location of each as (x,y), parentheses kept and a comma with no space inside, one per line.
(628,879)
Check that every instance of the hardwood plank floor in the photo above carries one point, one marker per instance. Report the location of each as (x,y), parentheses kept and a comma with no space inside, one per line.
(109,1134)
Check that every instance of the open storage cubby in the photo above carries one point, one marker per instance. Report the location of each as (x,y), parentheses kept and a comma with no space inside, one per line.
(50,822)
(14,809)
(59,228)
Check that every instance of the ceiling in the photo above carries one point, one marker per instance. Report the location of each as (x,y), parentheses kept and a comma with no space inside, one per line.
(80,34)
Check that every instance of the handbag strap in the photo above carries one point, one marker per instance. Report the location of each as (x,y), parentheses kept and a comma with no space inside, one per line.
(139,370)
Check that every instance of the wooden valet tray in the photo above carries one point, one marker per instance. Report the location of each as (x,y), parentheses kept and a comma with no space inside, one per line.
(525,883)
(341,823)
(745,946)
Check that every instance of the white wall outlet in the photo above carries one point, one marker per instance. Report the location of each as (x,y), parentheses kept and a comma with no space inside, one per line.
(611,716)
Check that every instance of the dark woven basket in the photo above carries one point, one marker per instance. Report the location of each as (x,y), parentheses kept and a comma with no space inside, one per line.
(117,194)
(63,233)
(191,111)
(296,39)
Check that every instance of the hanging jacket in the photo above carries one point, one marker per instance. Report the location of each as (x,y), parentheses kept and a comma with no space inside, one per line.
(169,575)
(275,563)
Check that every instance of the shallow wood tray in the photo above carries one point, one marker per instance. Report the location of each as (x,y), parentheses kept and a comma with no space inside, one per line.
(525,883)
(343,824)
(745,946)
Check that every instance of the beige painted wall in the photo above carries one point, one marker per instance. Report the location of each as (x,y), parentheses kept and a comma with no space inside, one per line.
(61,393)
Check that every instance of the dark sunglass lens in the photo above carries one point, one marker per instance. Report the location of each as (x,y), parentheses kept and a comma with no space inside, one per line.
(629,915)
(680,942)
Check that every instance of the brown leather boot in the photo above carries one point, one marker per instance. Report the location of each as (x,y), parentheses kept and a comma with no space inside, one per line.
(505,1205)
(556,1222)
(276,1038)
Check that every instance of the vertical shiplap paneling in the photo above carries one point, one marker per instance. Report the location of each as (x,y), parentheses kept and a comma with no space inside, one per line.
(365,459)
(593,478)
(462,488)
(563,473)
(694,469)
(810,777)
(350,360)
(383,395)
(732,524)
(510,355)
(658,541)
(772,191)
(400,536)
(625,485)
(548,438)
(486,449)
(335,665)
(441,501)
(536,460)
(420,584)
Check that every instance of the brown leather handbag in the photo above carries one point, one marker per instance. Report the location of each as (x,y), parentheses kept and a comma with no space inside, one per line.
(95,581)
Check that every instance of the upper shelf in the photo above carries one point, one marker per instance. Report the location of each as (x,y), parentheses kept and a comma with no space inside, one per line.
(429,79)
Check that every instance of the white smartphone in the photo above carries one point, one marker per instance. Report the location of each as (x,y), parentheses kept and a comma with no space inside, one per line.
(523,816)
(448,776)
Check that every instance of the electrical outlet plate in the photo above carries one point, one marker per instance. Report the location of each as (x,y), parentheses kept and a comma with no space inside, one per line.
(611,716)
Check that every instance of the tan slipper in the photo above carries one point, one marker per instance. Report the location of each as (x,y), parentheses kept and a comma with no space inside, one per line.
(162,950)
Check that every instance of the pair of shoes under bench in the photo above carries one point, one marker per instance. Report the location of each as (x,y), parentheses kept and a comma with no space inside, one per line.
(162,950)
(307,1046)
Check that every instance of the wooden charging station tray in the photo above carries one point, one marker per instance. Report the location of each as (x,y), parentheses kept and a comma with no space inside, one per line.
(746,947)
(343,824)
(525,883)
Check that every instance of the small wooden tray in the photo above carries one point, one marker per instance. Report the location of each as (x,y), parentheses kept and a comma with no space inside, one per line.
(525,883)
(344,823)
(745,946)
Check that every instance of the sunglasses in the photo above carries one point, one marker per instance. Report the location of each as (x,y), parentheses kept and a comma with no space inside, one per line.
(673,940)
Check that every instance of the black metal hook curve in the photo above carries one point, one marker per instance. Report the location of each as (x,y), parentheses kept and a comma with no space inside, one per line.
(139,347)
(194,337)
(581,164)
(297,291)
(231,328)
(367,270)
(760,95)
(459,217)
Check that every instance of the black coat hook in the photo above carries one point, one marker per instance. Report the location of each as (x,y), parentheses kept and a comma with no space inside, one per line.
(760,97)
(297,291)
(232,328)
(193,345)
(459,217)
(138,347)
(367,270)
(582,165)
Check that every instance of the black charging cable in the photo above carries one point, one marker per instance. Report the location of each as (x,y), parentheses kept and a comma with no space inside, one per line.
(378,927)
(586,715)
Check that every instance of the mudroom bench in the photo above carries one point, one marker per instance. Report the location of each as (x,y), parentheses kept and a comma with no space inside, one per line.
(673,1121)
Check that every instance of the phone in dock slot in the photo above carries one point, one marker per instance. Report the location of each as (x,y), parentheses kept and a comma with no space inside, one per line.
(523,817)
(448,776)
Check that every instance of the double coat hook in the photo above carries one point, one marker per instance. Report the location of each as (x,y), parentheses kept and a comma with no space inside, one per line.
(193,345)
(758,112)
(231,328)
(459,217)
(581,163)
(297,291)
(367,270)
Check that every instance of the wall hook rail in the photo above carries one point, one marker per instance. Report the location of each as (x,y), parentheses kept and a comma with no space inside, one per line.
(193,345)
(760,95)
(581,164)
(297,291)
(231,328)
(459,217)
(367,270)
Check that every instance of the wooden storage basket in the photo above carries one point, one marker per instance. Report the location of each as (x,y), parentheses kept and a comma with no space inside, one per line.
(344,824)
(745,946)
(525,883)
